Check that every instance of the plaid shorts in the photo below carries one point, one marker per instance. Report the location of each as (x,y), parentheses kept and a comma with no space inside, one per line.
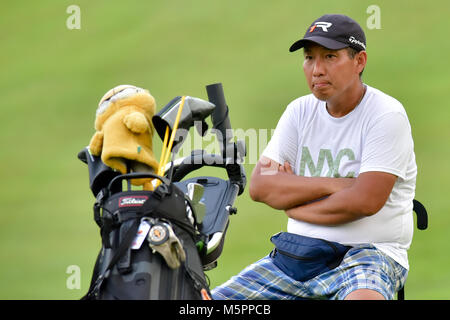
(363,267)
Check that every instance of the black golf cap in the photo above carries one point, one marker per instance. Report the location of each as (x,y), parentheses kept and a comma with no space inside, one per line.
(333,31)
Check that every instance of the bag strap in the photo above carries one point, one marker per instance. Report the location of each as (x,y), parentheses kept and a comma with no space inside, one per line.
(198,283)
(123,247)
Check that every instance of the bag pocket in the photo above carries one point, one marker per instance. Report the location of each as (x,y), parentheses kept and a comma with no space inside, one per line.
(302,258)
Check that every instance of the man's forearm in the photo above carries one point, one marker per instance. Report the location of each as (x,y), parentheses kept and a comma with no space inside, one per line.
(285,191)
(334,210)
(364,198)
(281,190)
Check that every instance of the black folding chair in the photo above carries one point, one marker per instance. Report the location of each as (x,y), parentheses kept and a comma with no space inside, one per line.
(422,224)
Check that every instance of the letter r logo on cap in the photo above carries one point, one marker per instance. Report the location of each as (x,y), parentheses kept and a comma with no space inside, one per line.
(323,25)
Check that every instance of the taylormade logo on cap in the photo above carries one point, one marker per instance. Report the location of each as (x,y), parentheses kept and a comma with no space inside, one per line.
(353,40)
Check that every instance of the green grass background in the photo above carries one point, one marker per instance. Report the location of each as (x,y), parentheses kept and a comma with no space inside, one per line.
(52,78)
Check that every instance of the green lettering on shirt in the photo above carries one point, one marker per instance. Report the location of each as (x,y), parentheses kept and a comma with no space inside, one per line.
(333,165)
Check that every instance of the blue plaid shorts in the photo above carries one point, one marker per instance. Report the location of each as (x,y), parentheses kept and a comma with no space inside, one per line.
(363,267)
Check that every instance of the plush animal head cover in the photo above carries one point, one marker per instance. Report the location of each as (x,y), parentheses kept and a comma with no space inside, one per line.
(124,130)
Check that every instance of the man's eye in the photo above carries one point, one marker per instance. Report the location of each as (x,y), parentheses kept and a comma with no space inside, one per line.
(308,57)
(330,56)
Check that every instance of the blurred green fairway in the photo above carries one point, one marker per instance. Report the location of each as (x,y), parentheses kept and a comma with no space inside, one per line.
(52,78)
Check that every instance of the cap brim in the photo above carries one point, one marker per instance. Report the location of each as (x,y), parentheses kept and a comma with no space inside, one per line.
(325,42)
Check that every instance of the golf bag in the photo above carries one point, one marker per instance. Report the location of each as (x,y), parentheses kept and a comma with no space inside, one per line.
(157,244)
(148,245)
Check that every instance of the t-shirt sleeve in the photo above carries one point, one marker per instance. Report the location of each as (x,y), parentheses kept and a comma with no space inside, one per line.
(388,145)
(284,143)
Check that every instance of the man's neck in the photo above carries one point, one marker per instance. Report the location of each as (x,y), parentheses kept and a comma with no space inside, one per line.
(347,101)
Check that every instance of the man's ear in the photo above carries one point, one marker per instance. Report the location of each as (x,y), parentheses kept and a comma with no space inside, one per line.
(361,60)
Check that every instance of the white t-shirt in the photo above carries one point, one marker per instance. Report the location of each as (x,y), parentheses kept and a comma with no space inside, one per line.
(375,136)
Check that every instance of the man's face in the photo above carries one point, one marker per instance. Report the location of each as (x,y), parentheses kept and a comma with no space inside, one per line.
(330,73)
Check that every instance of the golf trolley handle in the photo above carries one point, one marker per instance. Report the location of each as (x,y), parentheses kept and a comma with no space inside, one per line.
(199,159)
(136,175)
(220,118)
(221,123)
(195,161)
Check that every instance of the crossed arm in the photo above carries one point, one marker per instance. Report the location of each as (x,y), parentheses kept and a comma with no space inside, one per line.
(319,200)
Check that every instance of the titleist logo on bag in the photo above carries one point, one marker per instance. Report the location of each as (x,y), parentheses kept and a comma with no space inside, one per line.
(132,201)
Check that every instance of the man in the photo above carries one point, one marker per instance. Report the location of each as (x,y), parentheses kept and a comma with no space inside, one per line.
(341,165)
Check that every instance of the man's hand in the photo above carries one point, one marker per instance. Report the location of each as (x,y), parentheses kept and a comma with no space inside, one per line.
(286,168)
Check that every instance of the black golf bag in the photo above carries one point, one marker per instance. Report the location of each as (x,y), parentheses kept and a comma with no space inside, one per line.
(157,244)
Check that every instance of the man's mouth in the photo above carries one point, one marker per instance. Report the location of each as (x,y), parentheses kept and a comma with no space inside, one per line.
(320,85)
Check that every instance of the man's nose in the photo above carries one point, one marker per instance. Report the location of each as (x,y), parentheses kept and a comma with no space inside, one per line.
(318,68)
